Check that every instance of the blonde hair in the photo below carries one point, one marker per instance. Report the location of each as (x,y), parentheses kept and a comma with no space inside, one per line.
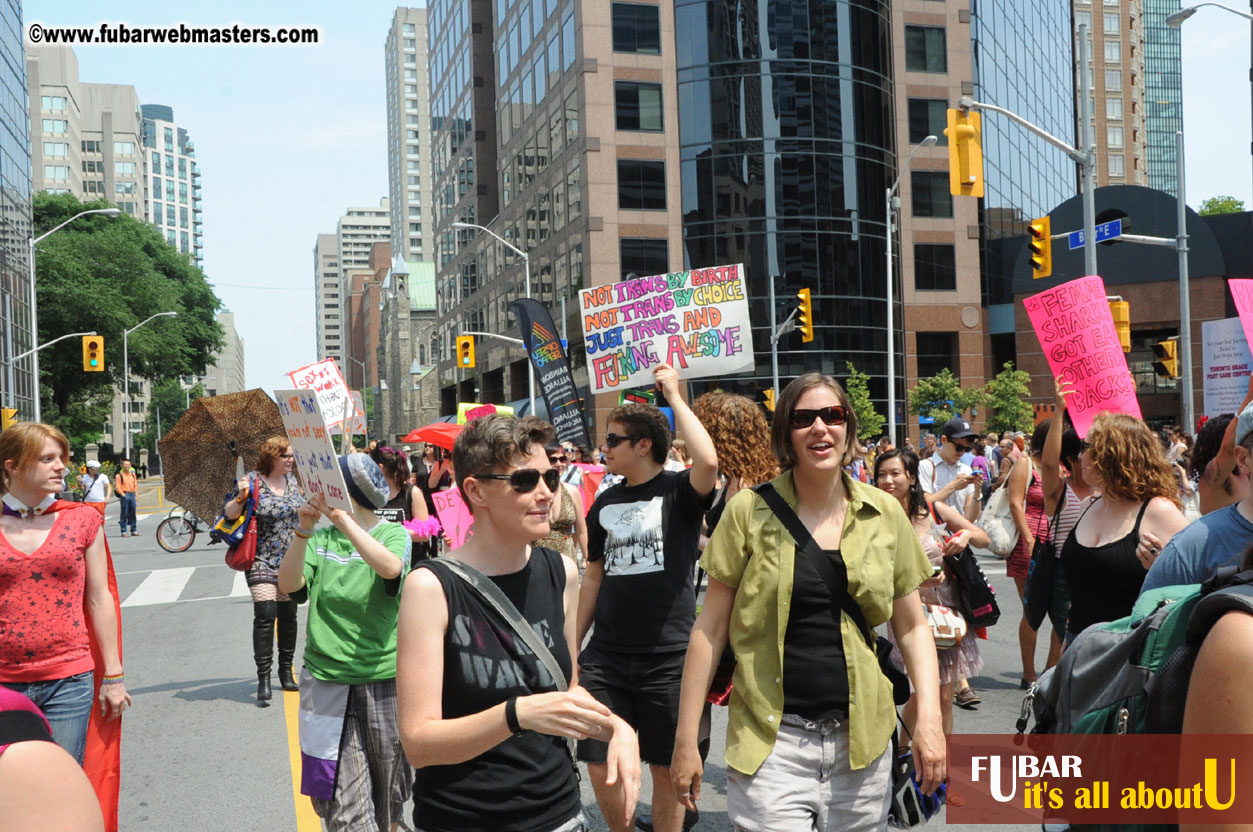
(1130,459)
(24,443)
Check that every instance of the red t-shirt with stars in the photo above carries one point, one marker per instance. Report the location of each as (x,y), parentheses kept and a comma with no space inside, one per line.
(43,634)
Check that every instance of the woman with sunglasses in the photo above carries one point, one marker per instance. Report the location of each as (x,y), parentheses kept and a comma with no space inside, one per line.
(278,496)
(567,526)
(480,717)
(811,714)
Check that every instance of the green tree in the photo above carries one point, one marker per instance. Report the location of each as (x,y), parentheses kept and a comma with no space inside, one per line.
(167,405)
(869,422)
(1221,205)
(942,397)
(108,275)
(1007,394)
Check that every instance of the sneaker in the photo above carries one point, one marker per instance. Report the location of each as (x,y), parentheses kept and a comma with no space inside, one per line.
(966,698)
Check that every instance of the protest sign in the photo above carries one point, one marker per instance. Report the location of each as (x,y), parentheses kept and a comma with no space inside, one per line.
(1242,294)
(592,476)
(457,520)
(469,411)
(311,445)
(1076,332)
(552,370)
(697,322)
(324,378)
(1225,361)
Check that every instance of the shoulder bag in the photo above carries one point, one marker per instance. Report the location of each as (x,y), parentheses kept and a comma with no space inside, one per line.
(240,534)
(976,600)
(998,519)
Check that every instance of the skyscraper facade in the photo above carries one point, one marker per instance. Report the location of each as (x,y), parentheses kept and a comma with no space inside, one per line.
(328,299)
(409,134)
(1163,93)
(172,195)
(16,336)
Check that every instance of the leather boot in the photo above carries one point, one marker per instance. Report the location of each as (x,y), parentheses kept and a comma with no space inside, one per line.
(287,625)
(263,614)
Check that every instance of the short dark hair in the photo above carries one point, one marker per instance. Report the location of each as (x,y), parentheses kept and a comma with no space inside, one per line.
(781,429)
(495,440)
(647,422)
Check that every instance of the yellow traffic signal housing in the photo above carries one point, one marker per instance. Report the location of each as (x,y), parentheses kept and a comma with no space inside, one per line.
(1040,247)
(465,352)
(965,152)
(769,394)
(805,317)
(1121,310)
(93,354)
(1167,355)
(8,417)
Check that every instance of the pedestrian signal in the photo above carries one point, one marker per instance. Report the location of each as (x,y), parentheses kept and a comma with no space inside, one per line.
(1121,310)
(93,354)
(1167,355)
(965,152)
(805,317)
(1040,247)
(465,352)
(8,417)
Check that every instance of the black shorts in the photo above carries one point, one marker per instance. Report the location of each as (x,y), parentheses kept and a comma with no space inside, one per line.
(643,689)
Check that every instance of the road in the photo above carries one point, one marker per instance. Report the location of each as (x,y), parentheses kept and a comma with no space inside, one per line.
(198,752)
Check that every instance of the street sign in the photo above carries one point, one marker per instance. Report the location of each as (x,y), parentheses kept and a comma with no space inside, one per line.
(1105,231)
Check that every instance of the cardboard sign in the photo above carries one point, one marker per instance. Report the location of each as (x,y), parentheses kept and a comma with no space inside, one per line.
(1076,332)
(469,411)
(325,379)
(1242,294)
(452,513)
(311,445)
(697,322)
(1225,361)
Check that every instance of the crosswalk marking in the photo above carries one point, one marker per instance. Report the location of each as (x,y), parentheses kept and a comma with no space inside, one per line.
(163,586)
(167,586)
(239,589)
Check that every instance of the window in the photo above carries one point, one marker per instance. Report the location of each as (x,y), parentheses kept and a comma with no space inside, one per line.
(1113,80)
(935,268)
(927,117)
(93,167)
(169,139)
(169,165)
(931,197)
(1117,165)
(1083,19)
(182,167)
(169,191)
(55,126)
(567,41)
(925,49)
(644,256)
(641,185)
(934,351)
(124,148)
(1114,137)
(56,149)
(55,103)
(1111,3)
(1113,51)
(1113,108)
(169,215)
(56,171)
(91,147)
(93,186)
(124,188)
(182,192)
(637,106)
(182,217)
(1110,21)
(157,213)
(636,28)
(124,168)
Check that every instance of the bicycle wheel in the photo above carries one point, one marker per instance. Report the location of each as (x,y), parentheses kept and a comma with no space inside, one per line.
(176,534)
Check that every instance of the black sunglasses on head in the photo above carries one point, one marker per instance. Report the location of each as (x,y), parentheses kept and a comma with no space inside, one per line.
(524,480)
(831,416)
(612,439)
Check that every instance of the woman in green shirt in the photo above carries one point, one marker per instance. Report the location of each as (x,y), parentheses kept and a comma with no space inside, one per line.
(811,713)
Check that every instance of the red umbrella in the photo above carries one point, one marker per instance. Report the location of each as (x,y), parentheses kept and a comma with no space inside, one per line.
(443,434)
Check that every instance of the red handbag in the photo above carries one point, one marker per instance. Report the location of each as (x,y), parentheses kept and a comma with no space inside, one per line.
(241,556)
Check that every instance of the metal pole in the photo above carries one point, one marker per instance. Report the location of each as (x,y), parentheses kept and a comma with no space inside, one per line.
(34,333)
(10,395)
(1088,147)
(774,342)
(530,366)
(1185,306)
(126,391)
(891,331)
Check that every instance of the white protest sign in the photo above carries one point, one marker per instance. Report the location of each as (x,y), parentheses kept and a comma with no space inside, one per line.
(697,322)
(325,379)
(1226,361)
(311,445)
(356,422)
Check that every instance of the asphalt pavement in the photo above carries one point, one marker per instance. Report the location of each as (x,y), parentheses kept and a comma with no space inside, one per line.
(198,752)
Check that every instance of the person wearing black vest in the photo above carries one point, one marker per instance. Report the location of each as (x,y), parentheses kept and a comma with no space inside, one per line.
(482,718)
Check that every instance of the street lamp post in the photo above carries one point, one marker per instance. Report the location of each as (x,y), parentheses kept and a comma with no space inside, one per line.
(34,307)
(361,364)
(526,264)
(126,376)
(893,203)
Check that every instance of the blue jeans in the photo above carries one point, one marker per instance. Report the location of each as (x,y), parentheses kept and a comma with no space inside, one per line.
(127,515)
(67,705)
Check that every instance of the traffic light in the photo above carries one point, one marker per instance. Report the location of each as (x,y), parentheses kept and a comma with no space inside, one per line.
(965,152)
(93,354)
(1121,310)
(465,352)
(8,417)
(1040,247)
(805,317)
(769,395)
(1167,355)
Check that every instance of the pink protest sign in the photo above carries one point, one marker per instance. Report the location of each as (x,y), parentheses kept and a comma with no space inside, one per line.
(480,412)
(1077,334)
(1242,294)
(592,475)
(452,512)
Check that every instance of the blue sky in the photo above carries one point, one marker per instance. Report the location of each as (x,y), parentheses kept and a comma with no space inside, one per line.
(288,137)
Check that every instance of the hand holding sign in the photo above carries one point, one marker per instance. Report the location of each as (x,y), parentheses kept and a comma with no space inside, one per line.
(311,445)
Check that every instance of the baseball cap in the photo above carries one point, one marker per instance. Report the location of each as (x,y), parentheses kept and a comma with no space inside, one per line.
(91,463)
(957,428)
(1244,426)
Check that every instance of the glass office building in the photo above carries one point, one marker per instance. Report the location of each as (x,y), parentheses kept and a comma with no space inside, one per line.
(786,150)
(15,213)
(1163,93)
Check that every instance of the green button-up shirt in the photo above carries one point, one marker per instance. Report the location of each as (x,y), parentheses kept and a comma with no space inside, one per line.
(754,554)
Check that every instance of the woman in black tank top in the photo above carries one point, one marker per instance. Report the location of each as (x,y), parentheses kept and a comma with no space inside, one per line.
(1124,462)
(480,717)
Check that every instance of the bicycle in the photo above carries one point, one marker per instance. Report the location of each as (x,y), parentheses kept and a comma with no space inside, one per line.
(177,532)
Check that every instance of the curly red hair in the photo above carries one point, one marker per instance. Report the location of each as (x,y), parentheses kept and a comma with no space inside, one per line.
(740,436)
(1130,459)
(271,450)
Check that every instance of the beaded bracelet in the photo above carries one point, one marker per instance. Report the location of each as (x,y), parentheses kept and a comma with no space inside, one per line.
(114,679)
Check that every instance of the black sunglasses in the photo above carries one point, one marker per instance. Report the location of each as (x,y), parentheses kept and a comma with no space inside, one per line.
(831,416)
(524,480)
(556,459)
(612,439)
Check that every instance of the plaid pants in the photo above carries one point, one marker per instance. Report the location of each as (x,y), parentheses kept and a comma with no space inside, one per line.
(374,779)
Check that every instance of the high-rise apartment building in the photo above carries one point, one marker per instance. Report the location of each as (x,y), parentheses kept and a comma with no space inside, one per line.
(335,257)
(226,373)
(1163,94)
(84,138)
(358,230)
(328,298)
(16,336)
(172,195)
(409,134)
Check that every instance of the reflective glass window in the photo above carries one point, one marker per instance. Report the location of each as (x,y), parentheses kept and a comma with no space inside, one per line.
(930,194)
(925,49)
(641,184)
(644,256)
(636,28)
(928,117)
(637,106)
(935,353)
(935,267)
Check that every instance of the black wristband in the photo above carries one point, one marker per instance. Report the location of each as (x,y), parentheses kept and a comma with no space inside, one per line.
(511,715)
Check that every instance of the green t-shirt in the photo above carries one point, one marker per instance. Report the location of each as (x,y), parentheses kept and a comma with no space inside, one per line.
(351,634)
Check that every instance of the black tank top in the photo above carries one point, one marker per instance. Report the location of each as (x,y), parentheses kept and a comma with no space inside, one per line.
(1104,581)
(527,783)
